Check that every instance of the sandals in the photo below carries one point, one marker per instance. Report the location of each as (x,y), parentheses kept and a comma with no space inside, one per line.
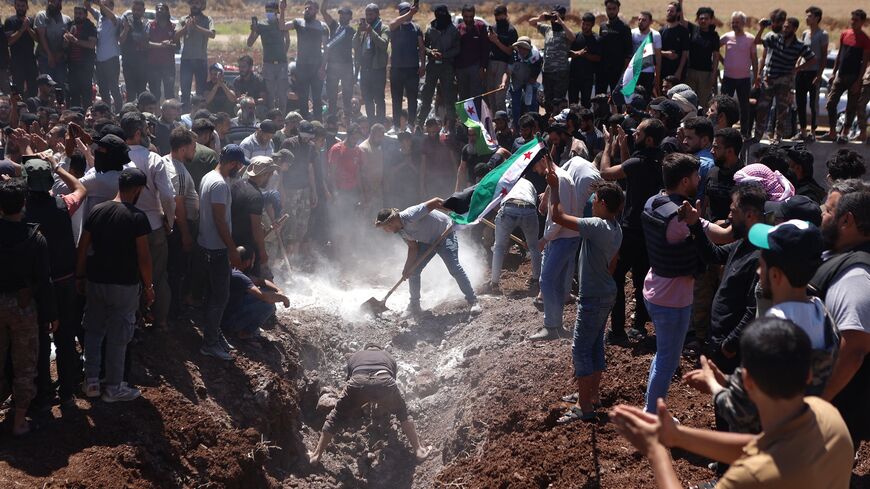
(539,304)
(574,414)
(572,398)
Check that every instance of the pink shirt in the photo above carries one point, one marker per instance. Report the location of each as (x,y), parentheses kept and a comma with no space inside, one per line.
(738,52)
(676,292)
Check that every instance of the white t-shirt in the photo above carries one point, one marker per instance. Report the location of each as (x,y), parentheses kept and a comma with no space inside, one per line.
(524,190)
(808,316)
(637,38)
(848,301)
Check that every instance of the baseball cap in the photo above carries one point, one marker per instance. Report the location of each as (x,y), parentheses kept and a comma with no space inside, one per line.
(796,207)
(233,153)
(500,115)
(268,127)
(404,7)
(306,129)
(132,177)
(793,241)
(562,116)
(45,79)
(669,108)
(38,174)
(113,144)
(218,66)
(282,155)
(260,165)
(523,42)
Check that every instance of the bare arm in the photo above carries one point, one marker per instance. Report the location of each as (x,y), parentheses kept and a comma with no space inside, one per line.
(143,257)
(556,212)
(406,17)
(854,348)
(269,296)
(76,188)
(610,172)
(410,258)
(259,238)
(324,11)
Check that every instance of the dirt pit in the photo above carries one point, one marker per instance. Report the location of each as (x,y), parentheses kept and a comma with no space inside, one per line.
(481,394)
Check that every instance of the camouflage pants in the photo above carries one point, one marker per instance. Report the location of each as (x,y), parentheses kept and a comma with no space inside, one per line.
(297,203)
(19,337)
(779,89)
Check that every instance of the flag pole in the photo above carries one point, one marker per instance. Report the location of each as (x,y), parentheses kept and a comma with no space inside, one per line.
(484,94)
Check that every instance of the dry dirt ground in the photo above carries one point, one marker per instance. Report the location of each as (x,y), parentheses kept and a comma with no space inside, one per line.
(481,394)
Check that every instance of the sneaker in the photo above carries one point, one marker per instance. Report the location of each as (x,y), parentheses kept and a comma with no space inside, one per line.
(216,351)
(91,388)
(121,392)
(533,284)
(475,308)
(226,345)
(636,333)
(546,334)
(842,140)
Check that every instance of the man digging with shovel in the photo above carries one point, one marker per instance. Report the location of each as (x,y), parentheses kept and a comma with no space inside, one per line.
(426,231)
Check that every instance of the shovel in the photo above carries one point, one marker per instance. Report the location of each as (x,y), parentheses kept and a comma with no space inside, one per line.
(376,306)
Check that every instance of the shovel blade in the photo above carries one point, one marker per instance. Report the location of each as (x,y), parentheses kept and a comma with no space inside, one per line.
(374,306)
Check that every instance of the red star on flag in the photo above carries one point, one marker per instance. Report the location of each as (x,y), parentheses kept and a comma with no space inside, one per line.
(527,156)
(470,110)
(503,191)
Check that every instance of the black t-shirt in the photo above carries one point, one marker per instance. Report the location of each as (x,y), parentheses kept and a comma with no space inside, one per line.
(701,47)
(507,36)
(4,52)
(23,49)
(247,201)
(339,47)
(643,179)
(616,44)
(114,227)
(137,39)
(471,159)
(80,55)
(220,102)
(253,86)
(674,39)
(309,40)
(718,184)
(582,67)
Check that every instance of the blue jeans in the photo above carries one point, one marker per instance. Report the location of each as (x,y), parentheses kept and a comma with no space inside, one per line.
(557,270)
(509,218)
(518,108)
(217,271)
(190,69)
(672,324)
(588,347)
(251,314)
(448,250)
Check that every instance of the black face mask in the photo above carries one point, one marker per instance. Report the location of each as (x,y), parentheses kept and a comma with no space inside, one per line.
(52,10)
(557,27)
(104,162)
(442,21)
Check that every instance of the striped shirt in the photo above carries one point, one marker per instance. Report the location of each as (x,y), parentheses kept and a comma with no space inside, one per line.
(782,56)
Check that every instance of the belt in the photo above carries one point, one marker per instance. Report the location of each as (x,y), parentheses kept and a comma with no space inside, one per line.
(519,203)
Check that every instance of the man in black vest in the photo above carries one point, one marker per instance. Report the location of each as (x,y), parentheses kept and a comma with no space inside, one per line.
(842,283)
(52,214)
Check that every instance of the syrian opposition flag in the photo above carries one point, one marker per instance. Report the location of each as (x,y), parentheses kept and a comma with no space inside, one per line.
(643,56)
(474,112)
(471,204)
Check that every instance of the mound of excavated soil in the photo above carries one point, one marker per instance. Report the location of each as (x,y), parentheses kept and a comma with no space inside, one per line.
(481,394)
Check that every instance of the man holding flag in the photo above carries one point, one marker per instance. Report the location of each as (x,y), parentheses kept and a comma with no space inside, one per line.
(644,66)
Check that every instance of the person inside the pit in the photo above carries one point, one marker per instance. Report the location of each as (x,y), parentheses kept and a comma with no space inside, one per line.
(371,378)
(422,227)
(252,300)
(804,441)
(601,237)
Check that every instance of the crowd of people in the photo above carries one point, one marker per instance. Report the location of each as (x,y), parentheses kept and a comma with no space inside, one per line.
(144,204)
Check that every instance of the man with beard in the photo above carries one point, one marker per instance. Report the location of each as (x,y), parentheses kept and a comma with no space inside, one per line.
(161,54)
(157,201)
(247,211)
(650,73)
(841,282)
(566,145)
(339,58)
(723,111)
(740,61)
(800,162)
(642,173)
(134,46)
(196,29)
(50,27)
(181,241)
(697,138)
(473,57)
(585,56)
(372,167)
(21,37)
(501,40)
(407,63)
(218,248)
(615,38)
(782,52)
(733,304)
(275,77)
(81,42)
(370,44)
(442,47)
(438,170)
(557,43)
(311,36)
(852,61)
(703,65)
(675,42)
(727,145)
